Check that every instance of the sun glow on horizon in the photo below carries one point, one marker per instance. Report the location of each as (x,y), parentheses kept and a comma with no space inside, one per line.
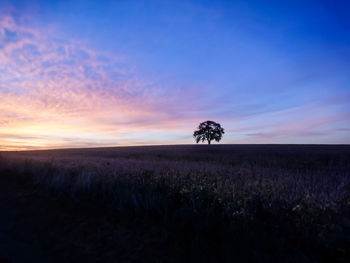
(142,87)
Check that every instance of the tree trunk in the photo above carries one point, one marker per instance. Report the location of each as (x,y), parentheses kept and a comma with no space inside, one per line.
(208,141)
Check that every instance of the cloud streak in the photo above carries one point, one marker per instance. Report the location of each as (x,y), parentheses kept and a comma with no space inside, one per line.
(56,92)
(53,88)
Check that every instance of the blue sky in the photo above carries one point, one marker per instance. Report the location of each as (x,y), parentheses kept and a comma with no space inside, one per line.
(147,72)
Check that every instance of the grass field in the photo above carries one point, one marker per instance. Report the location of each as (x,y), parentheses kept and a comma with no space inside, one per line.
(200,203)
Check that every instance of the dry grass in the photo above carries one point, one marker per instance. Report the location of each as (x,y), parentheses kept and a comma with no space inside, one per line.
(216,188)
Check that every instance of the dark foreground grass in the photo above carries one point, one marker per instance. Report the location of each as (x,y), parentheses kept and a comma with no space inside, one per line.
(247,203)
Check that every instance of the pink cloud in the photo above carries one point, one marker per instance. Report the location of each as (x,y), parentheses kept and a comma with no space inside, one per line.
(308,125)
(52,88)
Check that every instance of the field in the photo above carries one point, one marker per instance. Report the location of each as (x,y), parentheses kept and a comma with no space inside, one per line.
(199,203)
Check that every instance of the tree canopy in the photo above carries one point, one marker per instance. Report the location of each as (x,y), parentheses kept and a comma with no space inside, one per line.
(208,131)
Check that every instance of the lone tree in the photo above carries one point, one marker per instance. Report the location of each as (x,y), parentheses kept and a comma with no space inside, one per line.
(208,131)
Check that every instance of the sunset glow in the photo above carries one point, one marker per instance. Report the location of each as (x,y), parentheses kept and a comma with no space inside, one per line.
(89,73)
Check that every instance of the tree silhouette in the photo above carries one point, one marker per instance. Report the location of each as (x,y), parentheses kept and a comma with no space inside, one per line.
(208,131)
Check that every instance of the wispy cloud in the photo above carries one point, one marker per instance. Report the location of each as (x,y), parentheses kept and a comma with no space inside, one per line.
(56,92)
(54,88)
(317,120)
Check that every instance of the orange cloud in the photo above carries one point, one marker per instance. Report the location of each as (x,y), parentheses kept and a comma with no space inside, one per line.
(53,90)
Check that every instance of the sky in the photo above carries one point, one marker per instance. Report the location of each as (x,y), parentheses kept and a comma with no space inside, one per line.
(108,73)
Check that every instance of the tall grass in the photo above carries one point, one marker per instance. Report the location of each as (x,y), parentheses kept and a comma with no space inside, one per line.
(305,189)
